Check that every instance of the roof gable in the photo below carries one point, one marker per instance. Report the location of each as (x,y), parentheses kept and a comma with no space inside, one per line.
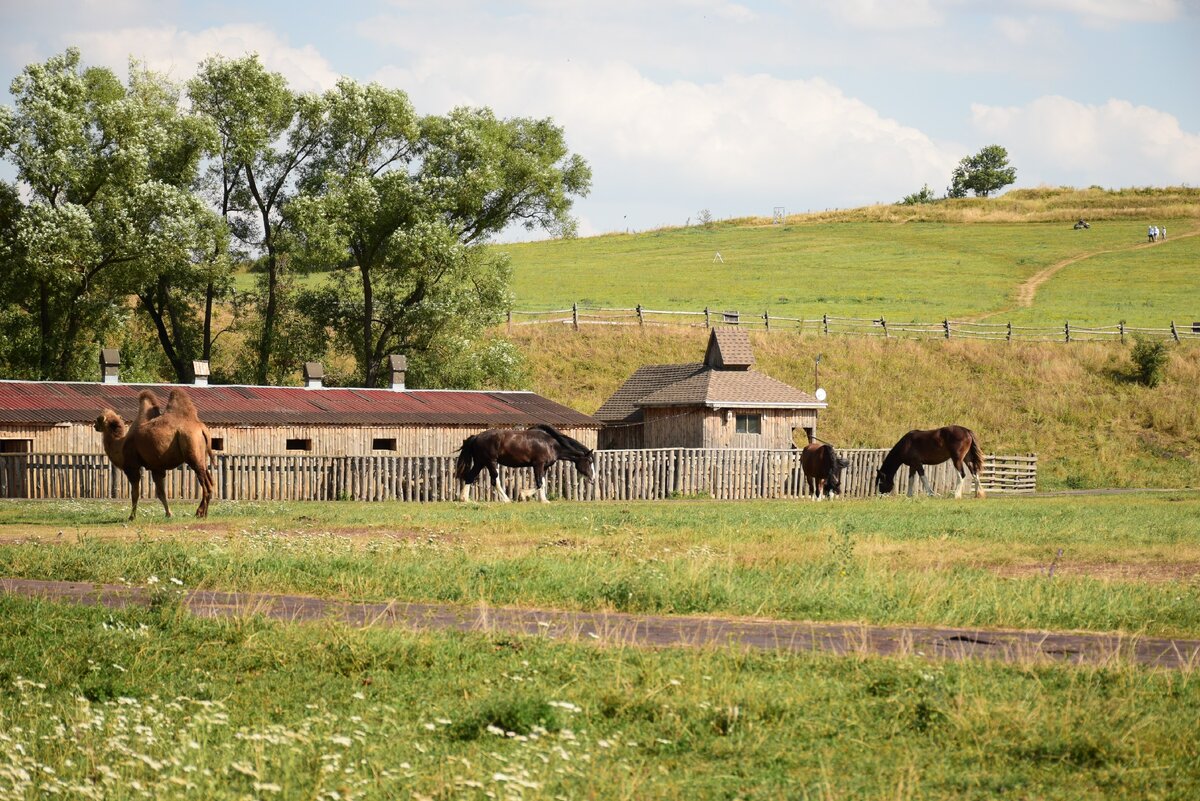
(622,406)
(729,349)
(720,388)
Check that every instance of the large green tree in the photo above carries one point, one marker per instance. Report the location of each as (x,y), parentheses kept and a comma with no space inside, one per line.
(267,133)
(985,172)
(402,206)
(109,211)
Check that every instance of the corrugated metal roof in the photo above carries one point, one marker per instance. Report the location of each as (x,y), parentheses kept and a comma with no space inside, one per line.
(48,402)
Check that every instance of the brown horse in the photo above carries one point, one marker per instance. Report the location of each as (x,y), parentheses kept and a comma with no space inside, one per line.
(919,448)
(538,447)
(822,469)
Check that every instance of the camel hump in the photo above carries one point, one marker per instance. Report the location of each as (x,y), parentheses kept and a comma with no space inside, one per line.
(180,403)
(148,407)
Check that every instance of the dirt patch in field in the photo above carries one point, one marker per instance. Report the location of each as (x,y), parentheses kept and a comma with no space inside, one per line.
(1156,572)
(658,631)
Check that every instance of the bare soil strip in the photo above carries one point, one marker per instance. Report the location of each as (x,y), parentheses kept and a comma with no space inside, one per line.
(654,631)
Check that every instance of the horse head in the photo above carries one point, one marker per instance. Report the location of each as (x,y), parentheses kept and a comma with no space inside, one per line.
(834,480)
(884,482)
(585,463)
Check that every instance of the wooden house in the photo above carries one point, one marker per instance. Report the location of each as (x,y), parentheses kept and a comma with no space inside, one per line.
(722,402)
(58,416)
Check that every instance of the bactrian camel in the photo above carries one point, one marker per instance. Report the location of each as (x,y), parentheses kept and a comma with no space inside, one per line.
(159,440)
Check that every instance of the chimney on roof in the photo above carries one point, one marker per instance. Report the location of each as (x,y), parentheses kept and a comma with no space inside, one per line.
(200,369)
(314,372)
(399,367)
(110,365)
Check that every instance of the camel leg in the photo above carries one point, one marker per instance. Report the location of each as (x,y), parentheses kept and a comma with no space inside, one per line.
(204,478)
(494,470)
(160,489)
(135,491)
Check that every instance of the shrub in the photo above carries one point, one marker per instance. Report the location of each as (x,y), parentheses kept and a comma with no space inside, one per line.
(1149,361)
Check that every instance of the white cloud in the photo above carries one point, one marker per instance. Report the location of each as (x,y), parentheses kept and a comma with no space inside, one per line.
(1112,11)
(1057,140)
(738,145)
(177,52)
(889,14)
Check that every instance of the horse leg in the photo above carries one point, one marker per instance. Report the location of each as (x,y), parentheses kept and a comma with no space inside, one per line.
(962,477)
(912,480)
(494,471)
(468,480)
(160,489)
(979,493)
(925,483)
(820,489)
(539,476)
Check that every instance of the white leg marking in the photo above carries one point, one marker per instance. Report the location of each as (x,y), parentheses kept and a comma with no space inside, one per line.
(500,489)
(465,497)
(961,480)
(542,494)
(928,488)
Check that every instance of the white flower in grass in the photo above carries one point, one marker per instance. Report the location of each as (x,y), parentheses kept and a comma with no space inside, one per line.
(152,580)
(341,740)
(176,581)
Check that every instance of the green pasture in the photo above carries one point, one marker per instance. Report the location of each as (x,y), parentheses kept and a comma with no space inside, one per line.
(153,703)
(902,271)
(1128,563)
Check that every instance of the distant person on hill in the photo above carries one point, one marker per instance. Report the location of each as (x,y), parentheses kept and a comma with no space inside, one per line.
(1162,233)
(1150,232)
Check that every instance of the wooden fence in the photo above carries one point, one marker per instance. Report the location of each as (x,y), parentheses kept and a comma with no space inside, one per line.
(726,474)
(826,325)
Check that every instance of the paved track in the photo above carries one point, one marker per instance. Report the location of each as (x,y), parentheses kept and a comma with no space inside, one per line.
(658,631)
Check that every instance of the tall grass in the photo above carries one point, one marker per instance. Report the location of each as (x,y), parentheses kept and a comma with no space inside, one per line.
(151,703)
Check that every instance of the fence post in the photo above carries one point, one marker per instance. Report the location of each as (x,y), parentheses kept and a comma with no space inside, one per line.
(707,322)
(575,315)
(1121,325)
(641,320)
(946,326)
(825,323)
(883,322)
(767,320)
(1067,330)
(1174,331)
(1008,335)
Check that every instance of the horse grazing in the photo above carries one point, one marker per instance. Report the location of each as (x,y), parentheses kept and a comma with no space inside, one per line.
(919,448)
(822,469)
(538,447)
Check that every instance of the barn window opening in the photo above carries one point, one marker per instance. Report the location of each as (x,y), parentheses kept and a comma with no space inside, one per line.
(218,443)
(16,445)
(749,424)
(299,444)
(383,444)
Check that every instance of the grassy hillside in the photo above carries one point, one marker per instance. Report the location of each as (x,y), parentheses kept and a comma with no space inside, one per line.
(963,259)
(1074,405)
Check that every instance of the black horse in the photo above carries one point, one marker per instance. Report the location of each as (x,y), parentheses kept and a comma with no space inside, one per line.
(538,447)
(822,469)
(919,448)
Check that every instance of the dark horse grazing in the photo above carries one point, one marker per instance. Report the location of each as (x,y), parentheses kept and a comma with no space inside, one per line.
(538,447)
(822,469)
(919,448)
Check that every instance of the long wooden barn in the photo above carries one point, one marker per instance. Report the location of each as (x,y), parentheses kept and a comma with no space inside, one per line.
(59,417)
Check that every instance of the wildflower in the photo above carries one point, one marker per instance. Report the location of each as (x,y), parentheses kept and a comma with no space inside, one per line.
(176,581)
(359,696)
(152,580)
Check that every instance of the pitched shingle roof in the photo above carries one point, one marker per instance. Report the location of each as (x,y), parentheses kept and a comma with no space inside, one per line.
(48,402)
(730,388)
(729,349)
(622,407)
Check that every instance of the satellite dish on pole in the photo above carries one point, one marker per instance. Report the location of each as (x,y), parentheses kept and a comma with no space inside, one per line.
(820,395)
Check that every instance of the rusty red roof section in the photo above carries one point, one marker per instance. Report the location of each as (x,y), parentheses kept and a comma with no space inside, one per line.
(49,402)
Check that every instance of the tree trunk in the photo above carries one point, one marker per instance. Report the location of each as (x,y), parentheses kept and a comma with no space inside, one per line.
(266,341)
(368,363)
(206,341)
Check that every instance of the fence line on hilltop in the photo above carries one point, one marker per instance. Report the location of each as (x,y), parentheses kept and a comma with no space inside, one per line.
(579,315)
(627,475)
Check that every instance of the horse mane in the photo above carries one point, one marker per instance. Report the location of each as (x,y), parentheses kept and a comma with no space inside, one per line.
(572,446)
(180,403)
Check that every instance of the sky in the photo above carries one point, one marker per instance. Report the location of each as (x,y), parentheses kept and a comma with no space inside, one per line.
(734,108)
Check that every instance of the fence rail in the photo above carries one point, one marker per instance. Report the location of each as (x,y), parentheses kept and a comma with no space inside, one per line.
(579,315)
(653,474)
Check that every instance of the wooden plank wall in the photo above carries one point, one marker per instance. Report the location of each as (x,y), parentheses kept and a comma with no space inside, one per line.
(726,474)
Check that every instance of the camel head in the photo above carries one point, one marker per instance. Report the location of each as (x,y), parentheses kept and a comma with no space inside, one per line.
(110,424)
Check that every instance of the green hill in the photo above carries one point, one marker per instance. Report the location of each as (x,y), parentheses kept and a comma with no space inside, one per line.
(963,259)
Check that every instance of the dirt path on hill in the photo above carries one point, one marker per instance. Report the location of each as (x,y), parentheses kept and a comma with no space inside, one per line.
(656,631)
(1027,290)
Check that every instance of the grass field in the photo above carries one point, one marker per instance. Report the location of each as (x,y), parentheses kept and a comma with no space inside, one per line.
(1129,563)
(156,704)
(153,702)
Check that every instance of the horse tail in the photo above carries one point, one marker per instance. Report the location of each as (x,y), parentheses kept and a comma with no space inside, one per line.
(465,457)
(974,457)
(571,446)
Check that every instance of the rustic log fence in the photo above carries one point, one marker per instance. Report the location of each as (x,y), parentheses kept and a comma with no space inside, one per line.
(652,474)
(578,315)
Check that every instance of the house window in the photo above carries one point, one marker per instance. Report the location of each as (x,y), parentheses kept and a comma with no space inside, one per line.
(218,443)
(749,424)
(383,444)
(16,445)
(299,444)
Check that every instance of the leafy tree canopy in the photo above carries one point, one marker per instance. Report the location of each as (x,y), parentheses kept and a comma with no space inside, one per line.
(985,172)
